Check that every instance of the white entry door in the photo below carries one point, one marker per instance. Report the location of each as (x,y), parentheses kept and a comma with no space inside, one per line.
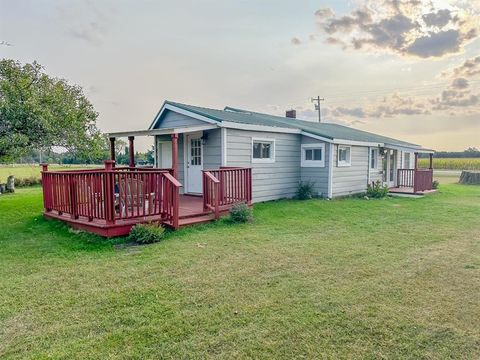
(389,167)
(194,163)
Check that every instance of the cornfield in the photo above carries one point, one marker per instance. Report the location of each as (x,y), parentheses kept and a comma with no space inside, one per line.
(452,163)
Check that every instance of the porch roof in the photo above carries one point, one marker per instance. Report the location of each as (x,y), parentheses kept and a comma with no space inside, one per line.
(163,131)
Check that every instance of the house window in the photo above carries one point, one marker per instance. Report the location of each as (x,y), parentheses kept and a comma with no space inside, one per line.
(373,158)
(343,156)
(406,163)
(313,155)
(263,150)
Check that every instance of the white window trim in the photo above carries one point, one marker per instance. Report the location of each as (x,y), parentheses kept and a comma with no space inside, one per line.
(344,163)
(312,163)
(375,151)
(271,159)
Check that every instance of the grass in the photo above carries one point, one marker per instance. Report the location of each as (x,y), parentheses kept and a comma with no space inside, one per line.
(452,163)
(395,278)
(26,171)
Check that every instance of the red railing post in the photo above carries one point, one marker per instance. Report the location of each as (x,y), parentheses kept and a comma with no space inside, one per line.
(217,199)
(109,192)
(131,151)
(46,187)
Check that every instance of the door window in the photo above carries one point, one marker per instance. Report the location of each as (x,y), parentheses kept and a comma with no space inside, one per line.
(195,151)
(392,165)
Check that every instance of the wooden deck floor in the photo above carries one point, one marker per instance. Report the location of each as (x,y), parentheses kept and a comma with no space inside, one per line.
(190,212)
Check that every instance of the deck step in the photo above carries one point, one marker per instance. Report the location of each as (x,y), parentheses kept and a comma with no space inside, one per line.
(193,220)
(196,220)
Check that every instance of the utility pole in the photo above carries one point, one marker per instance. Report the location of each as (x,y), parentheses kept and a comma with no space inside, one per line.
(317,107)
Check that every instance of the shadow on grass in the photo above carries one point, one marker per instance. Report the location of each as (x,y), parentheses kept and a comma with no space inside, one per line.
(63,236)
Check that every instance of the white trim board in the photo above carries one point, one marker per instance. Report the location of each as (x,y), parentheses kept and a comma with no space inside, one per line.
(330,171)
(223,134)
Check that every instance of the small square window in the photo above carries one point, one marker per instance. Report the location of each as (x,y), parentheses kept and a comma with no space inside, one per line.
(343,156)
(263,150)
(312,155)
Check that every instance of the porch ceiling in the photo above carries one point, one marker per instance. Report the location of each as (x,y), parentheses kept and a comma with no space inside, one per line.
(153,132)
(409,149)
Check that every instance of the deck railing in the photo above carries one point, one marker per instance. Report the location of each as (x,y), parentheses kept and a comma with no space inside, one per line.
(418,179)
(226,186)
(112,194)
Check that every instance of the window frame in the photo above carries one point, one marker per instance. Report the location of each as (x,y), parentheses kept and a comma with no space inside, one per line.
(373,155)
(312,163)
(270,159)
(344,163)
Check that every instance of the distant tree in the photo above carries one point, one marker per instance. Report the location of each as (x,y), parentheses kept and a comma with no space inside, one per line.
(39,112)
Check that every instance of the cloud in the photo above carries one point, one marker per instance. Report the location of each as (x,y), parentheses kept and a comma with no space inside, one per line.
(91,32)
(324,13)
(469,68)
(354,112)
(406,28)
(459,83)
(436,44)
(439,19)
(296,41)
(456,98)
(86,20)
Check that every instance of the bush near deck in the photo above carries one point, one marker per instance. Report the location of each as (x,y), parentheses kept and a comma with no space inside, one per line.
(393,278)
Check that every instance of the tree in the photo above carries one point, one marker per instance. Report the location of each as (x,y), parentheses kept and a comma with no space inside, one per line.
(39,112)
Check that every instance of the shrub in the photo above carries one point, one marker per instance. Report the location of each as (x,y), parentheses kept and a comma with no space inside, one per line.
(146,233)
(241,213)
(435,184)
(305,190)
(377,190)
(29,181)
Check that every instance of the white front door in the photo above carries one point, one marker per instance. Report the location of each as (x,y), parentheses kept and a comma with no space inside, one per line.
(194,163)
(389,167)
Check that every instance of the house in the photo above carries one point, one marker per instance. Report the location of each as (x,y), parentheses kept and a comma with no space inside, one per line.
(206,160)
(281,151)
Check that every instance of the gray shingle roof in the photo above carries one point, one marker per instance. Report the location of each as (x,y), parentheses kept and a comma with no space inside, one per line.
(326,130)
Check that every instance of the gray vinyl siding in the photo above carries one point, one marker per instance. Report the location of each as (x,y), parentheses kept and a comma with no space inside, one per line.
(317,175)
(175,120)
(376,174)
(212,150)
(351,179)
(270,180)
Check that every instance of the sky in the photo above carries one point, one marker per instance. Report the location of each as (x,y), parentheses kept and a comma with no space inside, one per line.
(406,69)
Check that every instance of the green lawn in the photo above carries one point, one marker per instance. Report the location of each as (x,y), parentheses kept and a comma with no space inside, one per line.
(395,278)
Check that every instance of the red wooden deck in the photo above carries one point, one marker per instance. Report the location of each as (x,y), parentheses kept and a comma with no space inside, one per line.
(190,212)
(109,201)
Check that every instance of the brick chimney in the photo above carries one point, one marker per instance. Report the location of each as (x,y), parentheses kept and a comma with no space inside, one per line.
(291,114)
